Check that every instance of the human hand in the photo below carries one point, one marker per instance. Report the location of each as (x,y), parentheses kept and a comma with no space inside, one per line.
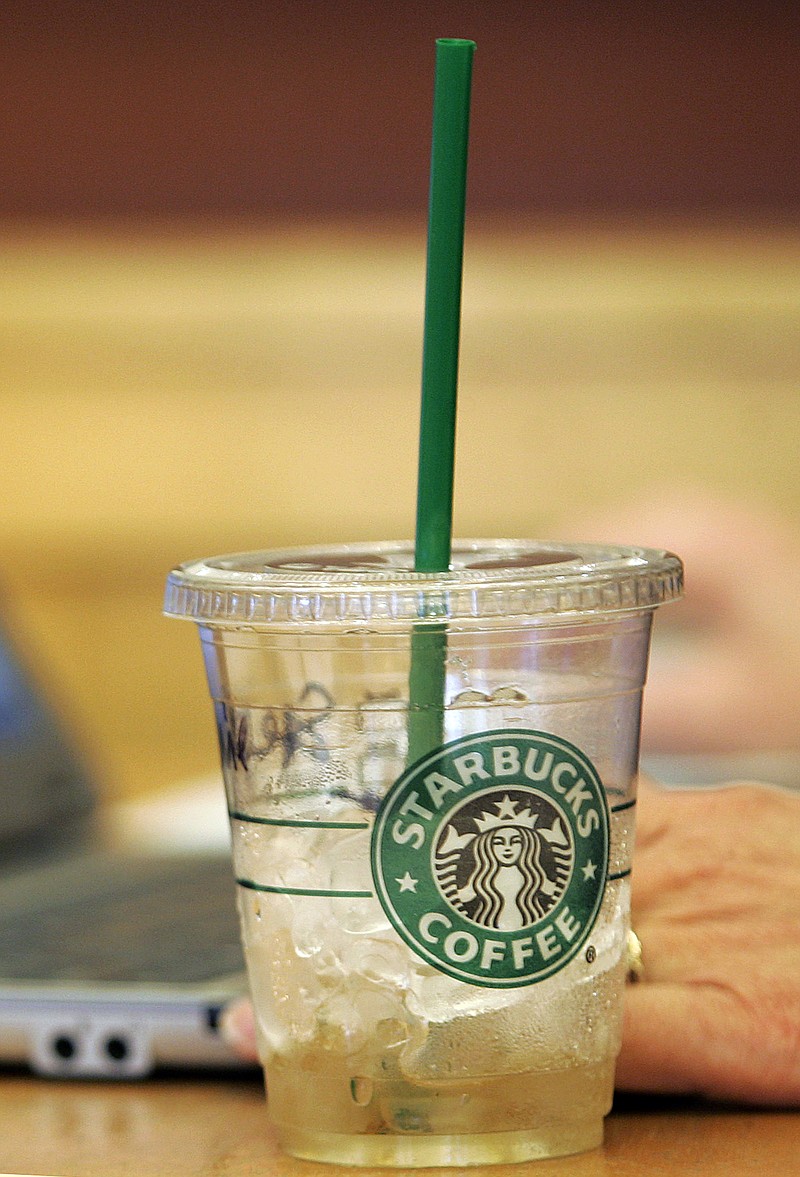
(725,663)
(716,903)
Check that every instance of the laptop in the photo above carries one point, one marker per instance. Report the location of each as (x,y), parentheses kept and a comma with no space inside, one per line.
(115,960)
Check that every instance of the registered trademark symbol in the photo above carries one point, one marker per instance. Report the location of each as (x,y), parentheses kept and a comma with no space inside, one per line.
(591,954)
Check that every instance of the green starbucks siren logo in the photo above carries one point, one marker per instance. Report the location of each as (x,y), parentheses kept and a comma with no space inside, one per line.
(489,856)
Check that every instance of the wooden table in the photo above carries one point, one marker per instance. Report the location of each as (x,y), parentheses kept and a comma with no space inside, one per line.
(200,1126)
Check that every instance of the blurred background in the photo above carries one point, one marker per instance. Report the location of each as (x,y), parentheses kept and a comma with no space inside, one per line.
(212,250)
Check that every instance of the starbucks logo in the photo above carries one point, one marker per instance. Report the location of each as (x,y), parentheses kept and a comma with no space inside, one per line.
(489,856)
(496,867)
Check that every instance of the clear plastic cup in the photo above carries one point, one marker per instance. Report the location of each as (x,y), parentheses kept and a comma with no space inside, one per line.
(431,781)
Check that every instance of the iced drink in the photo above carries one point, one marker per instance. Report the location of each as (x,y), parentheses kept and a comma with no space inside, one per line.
(434,926)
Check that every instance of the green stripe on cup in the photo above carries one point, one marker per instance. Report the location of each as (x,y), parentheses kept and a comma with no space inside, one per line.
(311,892)
(296,823)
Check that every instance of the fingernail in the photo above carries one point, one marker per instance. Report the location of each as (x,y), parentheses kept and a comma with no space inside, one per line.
(237,1027)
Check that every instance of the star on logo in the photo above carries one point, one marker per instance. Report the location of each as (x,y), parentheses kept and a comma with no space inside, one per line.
(407,883)
(589,870)
(506,809)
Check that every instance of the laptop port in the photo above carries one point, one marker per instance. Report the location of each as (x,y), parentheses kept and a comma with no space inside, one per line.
(213,1015)
(117,1048)
(92,1048)
(64,1047)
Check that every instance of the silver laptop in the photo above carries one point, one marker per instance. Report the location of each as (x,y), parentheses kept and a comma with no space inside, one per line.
(112,963)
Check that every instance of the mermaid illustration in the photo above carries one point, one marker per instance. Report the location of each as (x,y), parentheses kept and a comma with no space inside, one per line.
(496,876)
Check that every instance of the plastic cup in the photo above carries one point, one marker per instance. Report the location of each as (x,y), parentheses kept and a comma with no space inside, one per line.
(436,950)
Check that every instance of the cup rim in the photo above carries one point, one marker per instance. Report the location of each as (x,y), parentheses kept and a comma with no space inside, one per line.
(374,584)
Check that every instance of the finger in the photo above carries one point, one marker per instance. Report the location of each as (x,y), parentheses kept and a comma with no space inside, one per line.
(680,1039)
(657,810)
(702,854)
(238,1028)
(734,819)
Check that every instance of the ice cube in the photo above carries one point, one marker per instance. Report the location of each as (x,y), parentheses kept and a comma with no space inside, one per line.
(383,962)
(566,1020)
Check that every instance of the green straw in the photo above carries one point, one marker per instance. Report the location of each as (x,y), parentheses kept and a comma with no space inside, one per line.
(442,327)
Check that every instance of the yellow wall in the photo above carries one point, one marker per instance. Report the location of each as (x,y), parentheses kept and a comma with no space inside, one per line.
(167,395)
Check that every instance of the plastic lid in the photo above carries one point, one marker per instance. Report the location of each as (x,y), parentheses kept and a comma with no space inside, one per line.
(374,585)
